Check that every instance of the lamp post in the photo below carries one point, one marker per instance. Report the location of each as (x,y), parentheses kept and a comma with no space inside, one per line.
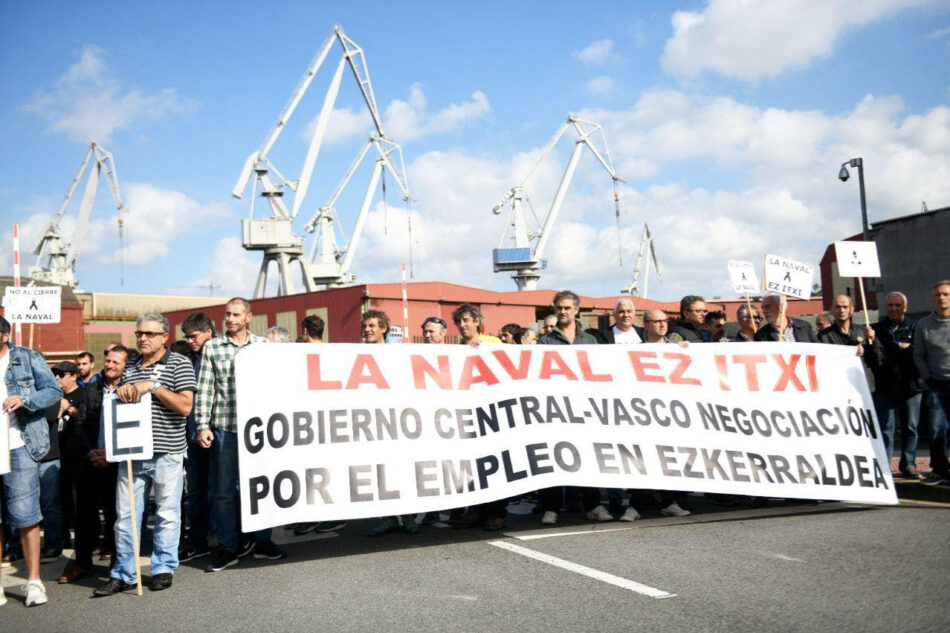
(843,176)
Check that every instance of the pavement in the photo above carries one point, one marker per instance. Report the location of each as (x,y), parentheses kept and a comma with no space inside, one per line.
(825,567)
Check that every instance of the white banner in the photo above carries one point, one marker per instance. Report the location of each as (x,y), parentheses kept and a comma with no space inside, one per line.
(352,431)
(857,259)
(743,277)
(128,428)
(788,277)
(32,304)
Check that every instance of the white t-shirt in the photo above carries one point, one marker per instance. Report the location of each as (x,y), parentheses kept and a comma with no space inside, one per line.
(630,337)
(9,420)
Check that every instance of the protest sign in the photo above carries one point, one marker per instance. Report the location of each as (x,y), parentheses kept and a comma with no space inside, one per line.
(4,443)
(128,428)
(857,259)
(743,277)
(356,431)
(32,304)
(788,277)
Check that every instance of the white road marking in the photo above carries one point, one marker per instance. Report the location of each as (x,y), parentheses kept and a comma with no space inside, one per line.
(781,556)
(550,534)
(596,574)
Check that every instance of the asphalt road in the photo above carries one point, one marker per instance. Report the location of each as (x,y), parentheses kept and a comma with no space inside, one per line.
(831,567)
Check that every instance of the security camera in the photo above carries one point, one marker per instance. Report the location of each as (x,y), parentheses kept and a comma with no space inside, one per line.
(843,175)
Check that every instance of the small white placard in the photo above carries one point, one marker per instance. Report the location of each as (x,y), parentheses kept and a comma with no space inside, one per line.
(857,259)
(32,304)
(744,280)
(395,334)
(788,277)
(127,428)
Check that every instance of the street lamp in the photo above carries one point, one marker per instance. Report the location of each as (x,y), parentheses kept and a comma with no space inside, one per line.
(843,176)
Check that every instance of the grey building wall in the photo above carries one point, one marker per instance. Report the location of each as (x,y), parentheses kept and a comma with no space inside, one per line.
(914,252)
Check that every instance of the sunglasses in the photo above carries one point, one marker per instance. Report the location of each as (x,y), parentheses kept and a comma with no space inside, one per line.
(435,320)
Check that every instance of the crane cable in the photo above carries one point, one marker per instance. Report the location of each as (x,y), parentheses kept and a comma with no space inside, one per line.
(385,207)
(617,214)
(121,253)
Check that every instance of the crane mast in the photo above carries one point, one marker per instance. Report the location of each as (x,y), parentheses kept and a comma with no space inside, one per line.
(60,258)
(274,235)
(525,261)
(636,288)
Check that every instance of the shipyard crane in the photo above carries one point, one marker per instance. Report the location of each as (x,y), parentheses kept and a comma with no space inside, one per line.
(635,288)
(275,235)
(59,257)
(525,261)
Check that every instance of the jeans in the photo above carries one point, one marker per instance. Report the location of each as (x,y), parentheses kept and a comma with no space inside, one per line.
(49,503)
(938,406)
(164,472)
(199,502)
(899,408)
(22,486)
(224,487)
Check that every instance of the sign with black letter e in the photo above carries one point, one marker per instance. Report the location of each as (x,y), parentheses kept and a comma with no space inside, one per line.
(128,428)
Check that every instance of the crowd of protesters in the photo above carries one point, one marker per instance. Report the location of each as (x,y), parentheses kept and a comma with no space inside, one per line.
(61,484)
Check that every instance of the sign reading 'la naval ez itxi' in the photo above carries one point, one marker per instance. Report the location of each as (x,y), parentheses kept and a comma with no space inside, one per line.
(351,431)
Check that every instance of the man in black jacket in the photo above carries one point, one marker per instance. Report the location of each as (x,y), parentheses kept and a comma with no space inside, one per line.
(623,330)
(689,328)
(899,386)
(845,332)
(781,327)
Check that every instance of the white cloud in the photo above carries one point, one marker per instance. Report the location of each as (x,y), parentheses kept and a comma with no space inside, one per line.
(596,52)
(602,86)
(938,33)
(232,271)
(409,120)
(88,102)
(345,124)
(751,40)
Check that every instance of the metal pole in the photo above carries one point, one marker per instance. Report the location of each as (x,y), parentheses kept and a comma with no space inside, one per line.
(859,163)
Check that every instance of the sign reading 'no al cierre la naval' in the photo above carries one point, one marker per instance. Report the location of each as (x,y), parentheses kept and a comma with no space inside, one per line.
(355,431)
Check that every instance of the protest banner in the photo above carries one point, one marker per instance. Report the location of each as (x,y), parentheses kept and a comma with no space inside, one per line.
(127,428)
(347,431)
(788,277)
(858,259)
(32,304)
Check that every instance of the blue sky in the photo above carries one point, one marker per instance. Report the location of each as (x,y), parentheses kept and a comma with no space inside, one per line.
(728,121)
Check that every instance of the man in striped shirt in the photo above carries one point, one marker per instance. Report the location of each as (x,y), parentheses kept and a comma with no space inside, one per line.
(170,379)
(216,414)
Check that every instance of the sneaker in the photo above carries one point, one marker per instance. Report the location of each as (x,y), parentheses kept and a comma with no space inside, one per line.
(222,560)
(267,550)
(3,597)
(50,555)
(933,478)
(304,528)
(111,587)
(328,526)
(910,473)
(387,525)
(430,518)
(494,524)
(245,548)
(189,553)
(674,510)
(470,519)
(410,526)
(105,555)
(549,518)
(630,515)
(600,513)
(35,593)
(160,582)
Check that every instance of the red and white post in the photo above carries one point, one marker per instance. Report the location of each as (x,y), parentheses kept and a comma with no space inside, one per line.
(405,306)
(17,331)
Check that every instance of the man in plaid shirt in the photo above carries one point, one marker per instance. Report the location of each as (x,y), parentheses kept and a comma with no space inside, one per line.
(216,415)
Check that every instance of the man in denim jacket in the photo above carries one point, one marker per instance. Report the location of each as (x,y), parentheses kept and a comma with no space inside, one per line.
(28,388)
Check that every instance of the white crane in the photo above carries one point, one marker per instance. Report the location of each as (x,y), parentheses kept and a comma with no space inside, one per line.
(61,258)
(275,235)
(528,263)
(635,288)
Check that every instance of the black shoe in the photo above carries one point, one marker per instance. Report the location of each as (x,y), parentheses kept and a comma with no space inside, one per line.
(161,581)
(267,550)
(50,555)
(189,553)
(245,548)
(222,560)
(111,587)
(430,518)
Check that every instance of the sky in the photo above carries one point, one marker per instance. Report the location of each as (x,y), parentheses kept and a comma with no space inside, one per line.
(727,120)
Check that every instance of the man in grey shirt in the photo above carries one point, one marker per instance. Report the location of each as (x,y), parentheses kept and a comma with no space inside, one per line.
(932,358)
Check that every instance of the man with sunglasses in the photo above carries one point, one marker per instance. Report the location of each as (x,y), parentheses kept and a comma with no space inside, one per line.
(434,330)
(689,328)
(748,324)
(170,379)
